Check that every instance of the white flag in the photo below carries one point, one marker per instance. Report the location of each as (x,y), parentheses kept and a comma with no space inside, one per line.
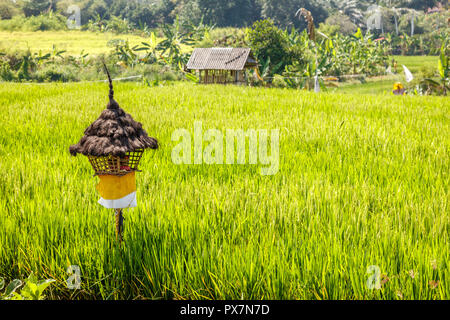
(408,74)
(316,84)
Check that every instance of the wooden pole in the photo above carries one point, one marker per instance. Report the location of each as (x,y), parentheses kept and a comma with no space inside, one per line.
(119,224)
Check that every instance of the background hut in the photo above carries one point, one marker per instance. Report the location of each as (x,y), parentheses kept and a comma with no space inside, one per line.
(221,65)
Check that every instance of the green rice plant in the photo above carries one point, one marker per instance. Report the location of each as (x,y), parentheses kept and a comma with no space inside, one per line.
(363,181)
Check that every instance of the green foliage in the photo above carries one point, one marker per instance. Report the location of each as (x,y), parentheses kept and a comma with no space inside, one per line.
(441,86)
(328,30)
(112,24)
(152,72)
(405,23)
(443,64)
(36,7)
(338,23)
(269,42)
(6,74)
(230,13)
(118,25)
(24,70)
(124,53)
(224,37)
(418,44)
(8,9)
(279,82)
(233,13)
(169,51)
(303,59)
(346,13)
(44,22)
(175,36)
(59,67)
(150,48)
(334,56)
(56,73)
(32,290)
(282,12)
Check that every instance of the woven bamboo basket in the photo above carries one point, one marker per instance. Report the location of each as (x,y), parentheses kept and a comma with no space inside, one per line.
(117,166)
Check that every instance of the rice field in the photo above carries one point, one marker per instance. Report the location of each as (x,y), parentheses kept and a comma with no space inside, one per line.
(363,181)
(73,42)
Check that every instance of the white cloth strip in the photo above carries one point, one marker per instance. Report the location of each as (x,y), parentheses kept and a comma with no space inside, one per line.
(129,201)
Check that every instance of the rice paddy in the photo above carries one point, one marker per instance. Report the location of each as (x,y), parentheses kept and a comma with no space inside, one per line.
(363,181)
(72,42)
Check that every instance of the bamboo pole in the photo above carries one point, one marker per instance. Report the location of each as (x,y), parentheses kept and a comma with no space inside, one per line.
(119,224)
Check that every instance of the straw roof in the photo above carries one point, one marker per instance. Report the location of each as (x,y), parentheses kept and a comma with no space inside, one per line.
(115,133)
(221,59)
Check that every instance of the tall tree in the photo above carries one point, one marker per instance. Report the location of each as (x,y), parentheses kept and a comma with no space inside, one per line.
(214,11)
(412,4)
(243,13)
(283,11)
(36,7)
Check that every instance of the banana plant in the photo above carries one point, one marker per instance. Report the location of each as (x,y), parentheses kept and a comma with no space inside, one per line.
(175,36)
(40,58)
(151,54)
(443,85)
(98,24)
(82,59)
(126,54)
(200,30)
(56,53)
(299,75)
(267,69)
(79,61)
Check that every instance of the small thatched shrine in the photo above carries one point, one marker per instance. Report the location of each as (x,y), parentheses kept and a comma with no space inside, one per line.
(114,144)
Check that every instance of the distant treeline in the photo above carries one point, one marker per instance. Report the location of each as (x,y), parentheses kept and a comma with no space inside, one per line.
(229,13)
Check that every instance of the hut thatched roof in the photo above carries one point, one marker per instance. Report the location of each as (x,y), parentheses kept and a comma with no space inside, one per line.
(115,133)
(221,59)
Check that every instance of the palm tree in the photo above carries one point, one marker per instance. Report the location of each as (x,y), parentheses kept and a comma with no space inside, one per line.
(397,7)
(413,14)
(351,8)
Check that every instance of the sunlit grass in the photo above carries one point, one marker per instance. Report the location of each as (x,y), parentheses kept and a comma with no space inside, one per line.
(417,63)
(73,42)
(363,181)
